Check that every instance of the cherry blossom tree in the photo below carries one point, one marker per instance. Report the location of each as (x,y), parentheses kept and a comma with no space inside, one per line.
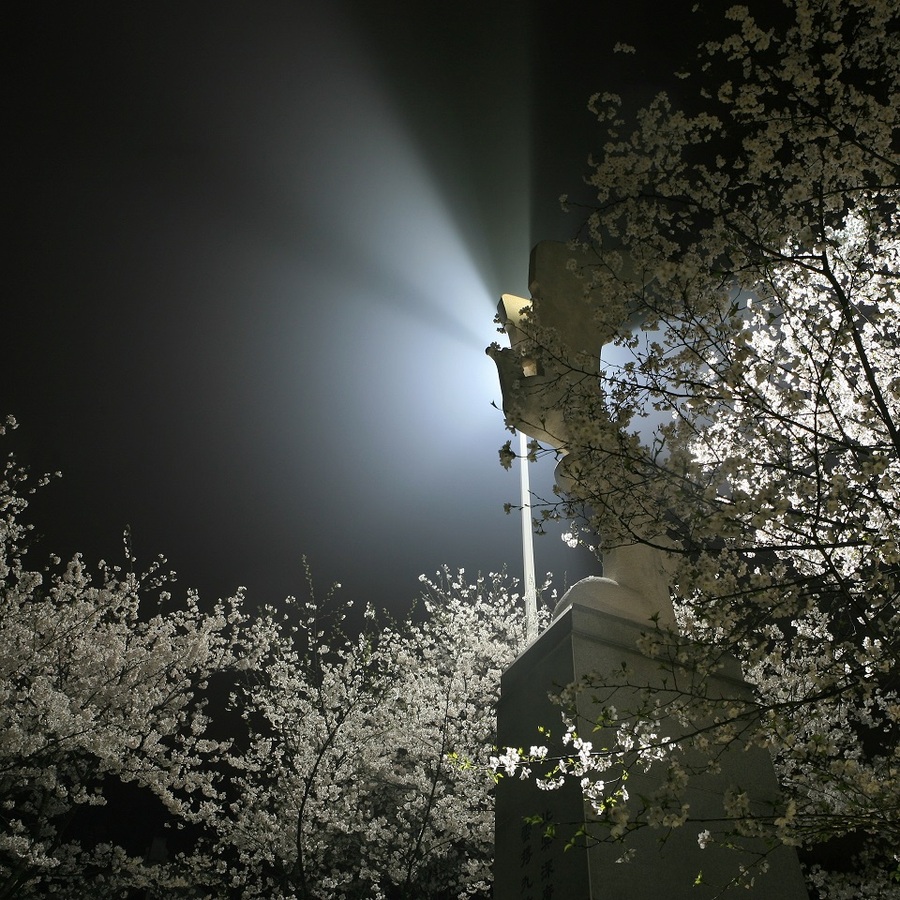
(354,765)
(747,257)
(101,680)
(361,771)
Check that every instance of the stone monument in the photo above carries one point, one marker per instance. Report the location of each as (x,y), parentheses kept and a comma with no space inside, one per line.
(635,578)
(597,627)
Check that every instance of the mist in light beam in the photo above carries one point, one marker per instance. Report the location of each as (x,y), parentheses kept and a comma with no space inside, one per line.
(389,382)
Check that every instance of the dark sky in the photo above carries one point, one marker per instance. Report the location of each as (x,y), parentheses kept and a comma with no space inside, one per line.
(253,255)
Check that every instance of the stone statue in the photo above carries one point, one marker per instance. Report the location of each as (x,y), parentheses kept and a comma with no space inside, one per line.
(635,583)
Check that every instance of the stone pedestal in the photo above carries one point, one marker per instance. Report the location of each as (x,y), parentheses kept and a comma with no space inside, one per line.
(587,638)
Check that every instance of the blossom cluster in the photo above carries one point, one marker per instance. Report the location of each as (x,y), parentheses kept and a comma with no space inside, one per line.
(102,679)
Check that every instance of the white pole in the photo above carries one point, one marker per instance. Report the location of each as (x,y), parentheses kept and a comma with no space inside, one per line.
(527,543)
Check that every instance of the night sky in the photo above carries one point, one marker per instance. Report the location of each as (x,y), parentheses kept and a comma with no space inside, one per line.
(253,255)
